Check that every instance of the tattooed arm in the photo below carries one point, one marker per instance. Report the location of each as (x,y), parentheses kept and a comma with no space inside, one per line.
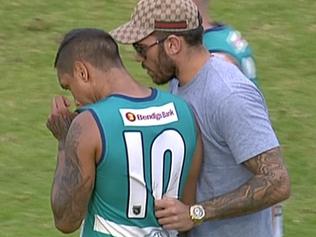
(75,170)
(269,185)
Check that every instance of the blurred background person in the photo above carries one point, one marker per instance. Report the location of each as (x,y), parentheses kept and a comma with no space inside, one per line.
(224,41)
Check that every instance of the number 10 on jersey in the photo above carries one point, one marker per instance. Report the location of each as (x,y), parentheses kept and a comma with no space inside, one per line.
(167,141)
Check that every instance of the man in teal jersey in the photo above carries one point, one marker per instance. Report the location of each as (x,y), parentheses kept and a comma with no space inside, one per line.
(225,41)
(126,145)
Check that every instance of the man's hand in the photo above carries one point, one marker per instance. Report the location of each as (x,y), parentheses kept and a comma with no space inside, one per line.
(60,118)
(172,214)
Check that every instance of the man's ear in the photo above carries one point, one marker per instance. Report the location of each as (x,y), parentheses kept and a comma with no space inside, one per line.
(81,71)
(173,45)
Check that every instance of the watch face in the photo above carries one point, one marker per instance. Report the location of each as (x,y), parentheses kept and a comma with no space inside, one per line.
(198,212)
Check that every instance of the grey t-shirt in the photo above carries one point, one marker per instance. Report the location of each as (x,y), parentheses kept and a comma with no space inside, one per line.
(235,127)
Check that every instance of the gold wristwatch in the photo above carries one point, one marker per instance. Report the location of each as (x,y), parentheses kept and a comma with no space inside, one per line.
(197,214)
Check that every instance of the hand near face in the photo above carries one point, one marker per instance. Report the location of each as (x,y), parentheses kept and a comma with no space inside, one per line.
(172,214)
(60,117)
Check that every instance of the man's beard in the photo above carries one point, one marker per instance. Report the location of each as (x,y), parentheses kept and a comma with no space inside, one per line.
(166,69)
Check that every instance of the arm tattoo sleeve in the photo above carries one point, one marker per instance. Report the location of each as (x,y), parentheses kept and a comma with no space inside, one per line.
(269,185)
(71,190)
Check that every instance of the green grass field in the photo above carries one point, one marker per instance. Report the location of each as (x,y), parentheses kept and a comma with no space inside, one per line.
(282,34)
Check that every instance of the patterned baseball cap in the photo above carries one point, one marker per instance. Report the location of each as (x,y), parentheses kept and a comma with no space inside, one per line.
(157,15)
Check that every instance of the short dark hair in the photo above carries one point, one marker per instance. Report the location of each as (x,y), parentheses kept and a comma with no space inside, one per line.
(92,45)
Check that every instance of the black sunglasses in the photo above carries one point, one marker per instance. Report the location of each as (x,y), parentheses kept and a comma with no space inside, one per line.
(142,49)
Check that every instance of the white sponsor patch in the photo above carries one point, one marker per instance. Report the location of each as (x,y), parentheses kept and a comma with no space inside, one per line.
(236,39)
(150,116)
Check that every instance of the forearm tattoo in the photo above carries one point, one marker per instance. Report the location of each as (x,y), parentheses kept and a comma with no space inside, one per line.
(69,187)
(269,185)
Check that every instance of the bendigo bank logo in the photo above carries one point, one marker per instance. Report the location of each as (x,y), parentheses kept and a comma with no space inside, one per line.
(130,116)
(150,116)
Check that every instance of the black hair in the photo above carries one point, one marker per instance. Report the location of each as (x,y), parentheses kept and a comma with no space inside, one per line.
(92,45)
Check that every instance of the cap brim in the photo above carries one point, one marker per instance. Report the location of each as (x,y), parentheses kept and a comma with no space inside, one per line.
(129,33)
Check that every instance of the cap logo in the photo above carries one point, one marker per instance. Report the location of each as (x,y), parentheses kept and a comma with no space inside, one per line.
(171,25)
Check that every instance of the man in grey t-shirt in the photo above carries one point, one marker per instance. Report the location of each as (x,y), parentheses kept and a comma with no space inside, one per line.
(243,173)
(235,127)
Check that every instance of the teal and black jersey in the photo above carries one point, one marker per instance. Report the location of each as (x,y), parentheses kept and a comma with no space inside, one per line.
(148,146)
(225,39)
